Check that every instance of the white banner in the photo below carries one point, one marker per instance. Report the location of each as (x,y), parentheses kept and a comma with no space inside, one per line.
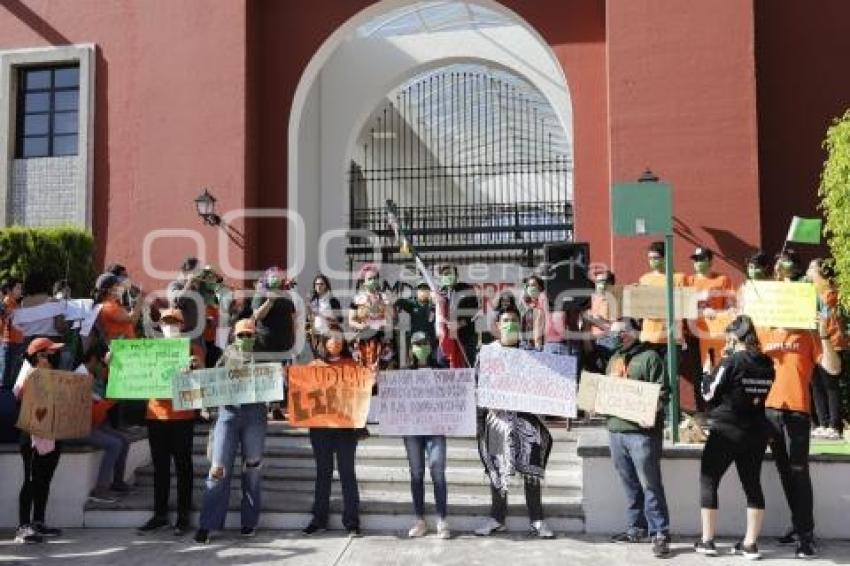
(426,402)
(527,381)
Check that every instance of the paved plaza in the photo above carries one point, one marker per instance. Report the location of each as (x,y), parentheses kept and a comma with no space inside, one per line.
(124,547)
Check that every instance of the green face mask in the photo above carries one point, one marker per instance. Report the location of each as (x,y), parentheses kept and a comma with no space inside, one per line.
(245,344)
(273,283)
(601,286)
(371,284)
(656,264)
(532,292)
(448,280)
(510,332)
(755,272)
(421,352)
(701,267)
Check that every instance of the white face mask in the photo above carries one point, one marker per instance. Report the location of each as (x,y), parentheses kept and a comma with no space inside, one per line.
(170,331)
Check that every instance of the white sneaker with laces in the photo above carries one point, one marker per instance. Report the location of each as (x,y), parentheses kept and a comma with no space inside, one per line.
(419,529)
(489,526)
(542,530)
(443,530)
(831,434)
(818,432)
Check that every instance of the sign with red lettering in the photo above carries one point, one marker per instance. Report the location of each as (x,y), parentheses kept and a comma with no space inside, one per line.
(323,396)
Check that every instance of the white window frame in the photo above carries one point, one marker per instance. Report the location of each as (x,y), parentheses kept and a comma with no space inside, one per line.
(10,60)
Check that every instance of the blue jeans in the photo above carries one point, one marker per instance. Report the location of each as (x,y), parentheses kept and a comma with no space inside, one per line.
(434,448)
(115,446)
(11,359)
(637,458)
(245,425)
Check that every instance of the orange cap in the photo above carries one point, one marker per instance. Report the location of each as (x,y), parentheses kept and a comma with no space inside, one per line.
(43,344)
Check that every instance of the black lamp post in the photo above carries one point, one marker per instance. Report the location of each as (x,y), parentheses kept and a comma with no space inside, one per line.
(205,206)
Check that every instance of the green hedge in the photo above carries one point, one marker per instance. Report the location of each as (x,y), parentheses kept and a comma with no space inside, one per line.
(51,251)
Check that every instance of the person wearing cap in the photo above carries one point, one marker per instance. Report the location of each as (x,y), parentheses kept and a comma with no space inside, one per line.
(736,391)
(636,451)
(237,426)
(420,309)
(113,320)
(170,435)
(430,448)
(40,455)
(654,331)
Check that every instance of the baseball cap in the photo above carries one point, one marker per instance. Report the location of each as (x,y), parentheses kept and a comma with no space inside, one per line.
(42,345)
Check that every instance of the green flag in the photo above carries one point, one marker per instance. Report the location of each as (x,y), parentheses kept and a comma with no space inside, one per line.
(804,230)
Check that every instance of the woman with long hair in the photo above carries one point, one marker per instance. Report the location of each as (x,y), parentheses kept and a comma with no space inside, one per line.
(324,312)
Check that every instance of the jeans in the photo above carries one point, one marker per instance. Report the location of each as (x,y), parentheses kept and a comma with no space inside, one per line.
(38,473)
(243,425)
(533,501)
(115,446)
(171,440)
(434,448)
(11,359)
(343,442)
(637,459)
(827,398)
(789,441)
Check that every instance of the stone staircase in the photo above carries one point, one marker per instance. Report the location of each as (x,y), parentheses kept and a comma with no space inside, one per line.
(383,478)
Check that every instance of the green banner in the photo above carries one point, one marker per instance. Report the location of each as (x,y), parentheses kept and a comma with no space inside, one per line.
(804,230)
(144,369)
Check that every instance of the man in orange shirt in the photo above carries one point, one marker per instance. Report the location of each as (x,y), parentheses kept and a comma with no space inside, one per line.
(654,331)
(12,345)
(795,354)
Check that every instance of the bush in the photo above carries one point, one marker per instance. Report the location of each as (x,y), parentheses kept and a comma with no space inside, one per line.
(57,253)
(835,201)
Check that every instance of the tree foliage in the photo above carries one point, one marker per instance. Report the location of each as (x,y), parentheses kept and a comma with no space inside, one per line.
(835,201)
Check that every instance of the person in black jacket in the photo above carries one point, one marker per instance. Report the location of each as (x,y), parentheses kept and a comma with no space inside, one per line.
(463,307)
(735,392)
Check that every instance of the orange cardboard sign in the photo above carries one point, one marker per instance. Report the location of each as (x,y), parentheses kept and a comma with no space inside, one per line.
(329,396)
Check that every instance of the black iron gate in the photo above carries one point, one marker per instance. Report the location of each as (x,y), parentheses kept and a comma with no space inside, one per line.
(477,164)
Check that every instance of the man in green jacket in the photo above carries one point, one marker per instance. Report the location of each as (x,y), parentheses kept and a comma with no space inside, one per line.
(636,451)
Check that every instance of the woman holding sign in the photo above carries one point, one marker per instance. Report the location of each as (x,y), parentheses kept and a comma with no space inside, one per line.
(236,425)
(432,448)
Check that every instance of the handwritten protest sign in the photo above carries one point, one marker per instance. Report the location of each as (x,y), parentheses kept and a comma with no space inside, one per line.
(56,404)
(145,368)
(628,399)
(647,301)
(527,381)
(329,396)
(781,304)
(425,402)
(251,383)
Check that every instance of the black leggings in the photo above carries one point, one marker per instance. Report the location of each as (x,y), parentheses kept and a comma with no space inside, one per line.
(719,453)
(38,473)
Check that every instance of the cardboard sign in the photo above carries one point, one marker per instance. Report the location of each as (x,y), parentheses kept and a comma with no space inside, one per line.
(145,368)
(426,401)
(628,399)
(647,301)
(251,383)
(329,396)
(526,381)
(56,404)
(779,304)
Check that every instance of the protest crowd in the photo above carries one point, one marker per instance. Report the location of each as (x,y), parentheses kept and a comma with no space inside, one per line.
(238,358)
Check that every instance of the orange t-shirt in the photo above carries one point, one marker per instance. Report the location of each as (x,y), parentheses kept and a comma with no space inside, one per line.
(834,322)
(655,330)
(795,353)
(600,308)
(10,334)
(162,409)
(713,291)
(115,321)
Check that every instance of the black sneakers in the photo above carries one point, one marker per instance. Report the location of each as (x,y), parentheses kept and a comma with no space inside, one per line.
(202,536)
(788,538)
(181,527)
(708,548)
(46,531)
(313,528)
(661,546)
(748,551)
(630,536)
(154,524)
(806,549)
(248,532)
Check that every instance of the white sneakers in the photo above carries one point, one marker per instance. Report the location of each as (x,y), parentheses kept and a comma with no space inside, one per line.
(489,526)
(826,433)
(542,529)
(420,529)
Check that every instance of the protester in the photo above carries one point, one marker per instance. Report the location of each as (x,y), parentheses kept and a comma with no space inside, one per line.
(170,434)
(427,447)
(510,443)
(654,331)
(274,315)
(36,293)
(324,312)
(186,295)
(12,347)
(735,391)
(113,320)
(596,321)
(237,425)
(758,266)
(504,301)
(534,314)
(72,352)
(714,296)
(461,307)
(825,390)
(371,317)
(420,308)
(40,455)
(339,442)
(795,354)
(787,266)
(636,451)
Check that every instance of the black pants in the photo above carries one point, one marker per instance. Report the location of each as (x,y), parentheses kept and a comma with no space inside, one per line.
(719,453)
(171,440)
(533,501)
(343,442)
(789,442)
(38,473)
(827,399)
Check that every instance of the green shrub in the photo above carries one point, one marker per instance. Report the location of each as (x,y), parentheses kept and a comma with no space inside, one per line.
(835,201)
(58,253)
